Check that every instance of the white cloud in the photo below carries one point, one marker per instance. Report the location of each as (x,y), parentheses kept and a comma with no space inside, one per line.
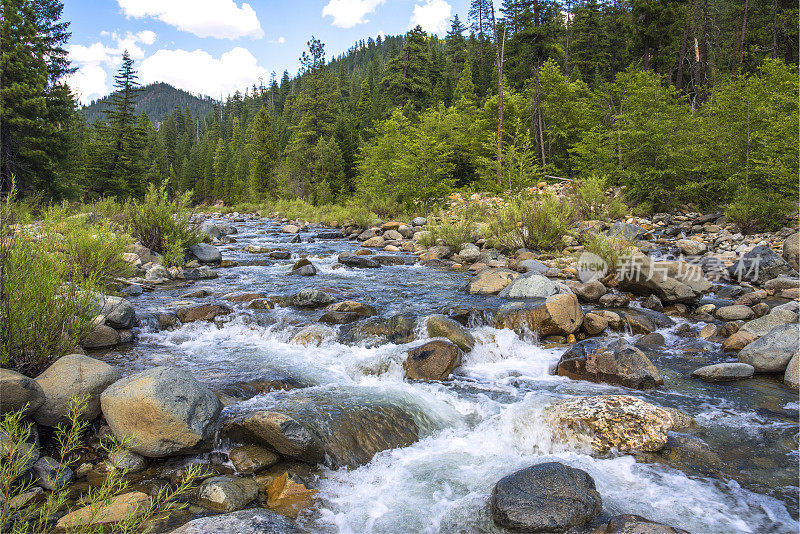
(279,40)
(222,19)
(348,13)
(147,37)
(88,82)
(432,16)
(200,72)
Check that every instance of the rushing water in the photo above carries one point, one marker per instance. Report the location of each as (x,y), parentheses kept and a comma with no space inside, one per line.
(487,419)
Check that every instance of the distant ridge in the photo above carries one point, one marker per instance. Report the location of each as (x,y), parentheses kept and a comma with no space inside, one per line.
(157,100)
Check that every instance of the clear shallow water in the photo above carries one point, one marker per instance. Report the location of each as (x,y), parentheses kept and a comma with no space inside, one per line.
(487,419)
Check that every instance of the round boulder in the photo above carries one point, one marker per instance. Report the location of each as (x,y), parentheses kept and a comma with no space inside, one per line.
(771,353)
(164,411)
(434,360)
(724,372)
(250,521)
(18,391)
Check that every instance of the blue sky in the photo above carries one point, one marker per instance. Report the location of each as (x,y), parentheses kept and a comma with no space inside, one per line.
(214,47)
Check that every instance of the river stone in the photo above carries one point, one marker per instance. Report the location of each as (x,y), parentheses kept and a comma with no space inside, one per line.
(612,421)
(782,282)
(791,251)
(724,372)
(772,352)
(736,312)
(760,265)
(469,253)
(645,277)
(490,281)
(70,376)
(533,285)
(203,312)
(338,426)
(434,360)
(373,242)
(310,298)
(531,266)
(594,324)
(617,362)
(312,335)
(17,391)
(441,326)
(559,315)
(206,253)
(737,341)
(635,524)
(50,474)
(127,461)
(102,336)
(339,317)
(365,310)
(547,497)
(118,312)
(249,459)
(249,521)
(691,247)
(303,267)
(290,229)
(164,411)
(792,375)
(357,260)
(759,327)
(389,260)
(131,504)
(590,291)
(227,493)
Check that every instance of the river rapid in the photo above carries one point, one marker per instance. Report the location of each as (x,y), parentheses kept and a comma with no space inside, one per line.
(484,423)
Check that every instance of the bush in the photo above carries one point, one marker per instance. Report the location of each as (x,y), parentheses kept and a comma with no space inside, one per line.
(758,210)
(455,230)
(533,221)
(46,307)
(610,247)
(592,201)
(37,516)
(163,225)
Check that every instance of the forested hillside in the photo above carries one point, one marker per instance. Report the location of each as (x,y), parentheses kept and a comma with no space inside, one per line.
(156,100)
(677,100)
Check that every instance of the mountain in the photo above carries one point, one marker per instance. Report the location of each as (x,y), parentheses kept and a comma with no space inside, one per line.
(157,100)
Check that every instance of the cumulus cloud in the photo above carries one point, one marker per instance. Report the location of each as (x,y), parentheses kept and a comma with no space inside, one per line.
(222,19)
(279,40)
(432,16)
(199,72)
(88,82)
(348,13)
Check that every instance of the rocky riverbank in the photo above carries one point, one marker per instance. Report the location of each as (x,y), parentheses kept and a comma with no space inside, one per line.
(295,360)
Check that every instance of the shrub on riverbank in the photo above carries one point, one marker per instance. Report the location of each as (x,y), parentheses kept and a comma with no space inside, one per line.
(533,221)
(455,229)
(592,201)
(610,247)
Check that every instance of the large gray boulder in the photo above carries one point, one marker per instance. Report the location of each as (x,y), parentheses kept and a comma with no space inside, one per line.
(791,251)
(760,265)
(761,326)
(559,315)
(250,521)
(72,376)
(646,277)
(490,281)
(206,253)
(533,285)
(547,497)
(18,391)
(724,372)
(792,375)
(164,411)
(310,298)
(772,352)
(616,362)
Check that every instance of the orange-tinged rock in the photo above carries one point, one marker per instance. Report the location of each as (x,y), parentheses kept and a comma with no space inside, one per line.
(120,507)
(287,497)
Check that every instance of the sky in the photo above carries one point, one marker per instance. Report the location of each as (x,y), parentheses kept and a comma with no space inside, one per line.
(214,47)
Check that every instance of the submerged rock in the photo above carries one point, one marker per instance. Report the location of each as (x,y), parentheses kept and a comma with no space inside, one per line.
(310,298)
(441,326)
(434,360)
(164,411)
(547,497)
(341,426)
(559,315)
(612,421)
(636,524)
(616,362)
(724,372)
(250,521)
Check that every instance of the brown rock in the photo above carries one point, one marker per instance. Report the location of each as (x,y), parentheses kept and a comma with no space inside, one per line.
(559,315)
(118,508)
(204,312)
(737,341)
(434,360)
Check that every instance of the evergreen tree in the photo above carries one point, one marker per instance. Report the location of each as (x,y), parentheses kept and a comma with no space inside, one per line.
(263,154)
(407,77)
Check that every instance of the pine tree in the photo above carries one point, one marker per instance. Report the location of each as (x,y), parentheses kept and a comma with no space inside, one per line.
(407,77)
(263,154)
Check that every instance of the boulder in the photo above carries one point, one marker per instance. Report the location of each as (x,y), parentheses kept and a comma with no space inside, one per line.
(419,221)
(469,253)
(533,285)
(724,372)
(18,391)
(68,377)
(737,341)
(357,261)
(386,259)
(365,310)
(760,265)
(594,323)
(736,312)
(531,265)
(164,411)
(612,421)
(559,315)
(616,362)
(628,231)
(441,326)
(635,524)
(393,235)
(206,253)
(590,291)
(434,360)
(157,274)
(759,327)
(290,229)
(204,272)
(337,426)
(217,230)
(303,267)
(792,375)
(127,505)
(547,497)
(772,352)
(101,337)
(226,493)
(776,285)
(203,312)
(339,317)
(791,251)
(118,312)
(645,277)
(50,474)
(373,242)
(310,298)
(250,521)
(490,281)
(691,247)
(249,459)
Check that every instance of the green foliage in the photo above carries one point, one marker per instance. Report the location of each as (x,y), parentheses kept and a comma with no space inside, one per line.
(610,247)
(533,221)
(592,201)
(457,229)
(162,224)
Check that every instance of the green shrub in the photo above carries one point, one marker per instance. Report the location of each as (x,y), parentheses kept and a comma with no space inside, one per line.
(533,221)
(592,201)
(163,225)
(455,230)
(610,247)
(758,210)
